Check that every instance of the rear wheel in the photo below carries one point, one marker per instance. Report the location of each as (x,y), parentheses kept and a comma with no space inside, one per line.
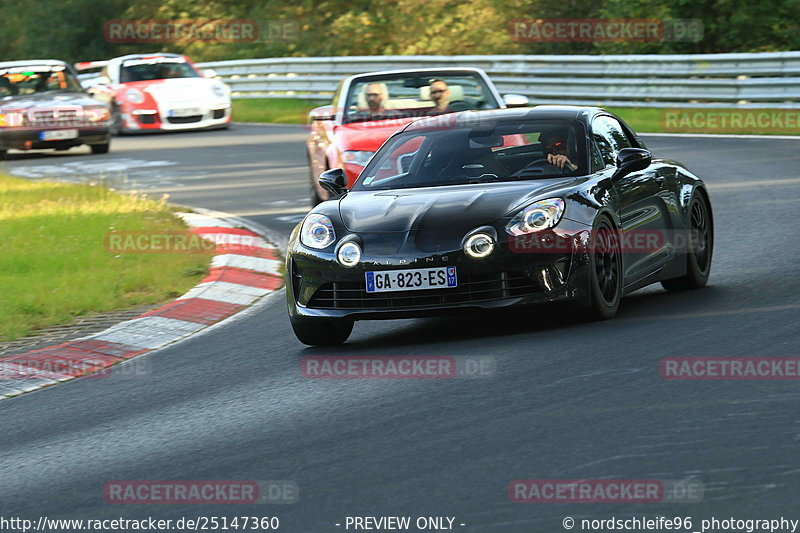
(605,261)
(321,331)
(701,248)
(100,148)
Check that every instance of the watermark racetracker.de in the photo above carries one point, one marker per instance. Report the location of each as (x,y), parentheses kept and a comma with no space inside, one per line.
(605,491)
(193,30)
(201,492)
(397,367)
(606,30)
(720,120)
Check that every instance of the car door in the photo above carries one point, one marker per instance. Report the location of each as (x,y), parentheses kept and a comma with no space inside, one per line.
(645,243)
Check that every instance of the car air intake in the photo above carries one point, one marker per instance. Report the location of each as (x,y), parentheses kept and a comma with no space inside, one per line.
(471,289)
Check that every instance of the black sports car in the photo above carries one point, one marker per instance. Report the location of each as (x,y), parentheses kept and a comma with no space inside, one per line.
(42,105)
(499,208)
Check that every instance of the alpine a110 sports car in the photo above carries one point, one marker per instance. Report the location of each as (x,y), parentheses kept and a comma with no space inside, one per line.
(450,217)
(42,105)
(367,108)
(158,92)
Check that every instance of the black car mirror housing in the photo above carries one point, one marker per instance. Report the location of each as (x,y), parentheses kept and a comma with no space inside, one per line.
(334,181)
(632,160)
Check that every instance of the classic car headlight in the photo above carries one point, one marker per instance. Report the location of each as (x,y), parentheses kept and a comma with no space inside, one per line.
(356,157)
(134,96)
(11,119)
(349,254)
(96,114)
(539,215)
(218,90)
(317,231)
(479,245)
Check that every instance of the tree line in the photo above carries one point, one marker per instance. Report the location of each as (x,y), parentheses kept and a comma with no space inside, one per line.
(77,30)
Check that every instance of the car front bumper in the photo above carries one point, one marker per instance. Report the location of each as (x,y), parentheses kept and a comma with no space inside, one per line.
(29,139)
(318,286)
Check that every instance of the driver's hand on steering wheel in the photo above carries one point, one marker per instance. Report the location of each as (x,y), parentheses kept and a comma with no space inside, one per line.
(561,161)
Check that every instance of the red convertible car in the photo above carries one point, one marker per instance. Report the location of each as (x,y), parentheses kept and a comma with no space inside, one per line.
(368,108)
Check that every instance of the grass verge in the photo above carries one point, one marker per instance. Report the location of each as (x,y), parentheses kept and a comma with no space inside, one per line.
(641,119)
(53,259)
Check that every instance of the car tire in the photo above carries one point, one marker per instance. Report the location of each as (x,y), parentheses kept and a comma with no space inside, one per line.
(605,272)
(116,120)
(314,192)
(321,331)
(3,155)
(698,259)
(100,148)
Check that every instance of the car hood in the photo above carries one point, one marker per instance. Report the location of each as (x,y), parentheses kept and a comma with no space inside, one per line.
(48,100)
(178,90)
(368,136)
(436,208)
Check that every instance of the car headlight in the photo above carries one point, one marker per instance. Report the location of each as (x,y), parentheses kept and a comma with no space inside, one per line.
(134,96)
(349,254)
(357,157)
(11,119)
(540,215)
(96,114)
(479,245)
(317,231)
(218,90)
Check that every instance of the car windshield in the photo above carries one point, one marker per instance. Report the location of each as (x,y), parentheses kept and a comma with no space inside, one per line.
(30,79)
(488,153)
(416,95)
(159,68)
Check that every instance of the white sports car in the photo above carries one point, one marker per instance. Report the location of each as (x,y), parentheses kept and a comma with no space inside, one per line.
(158,92)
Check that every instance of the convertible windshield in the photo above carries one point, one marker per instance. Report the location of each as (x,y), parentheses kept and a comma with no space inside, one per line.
(454,156)
(416,95)
(158,68)
(30,79)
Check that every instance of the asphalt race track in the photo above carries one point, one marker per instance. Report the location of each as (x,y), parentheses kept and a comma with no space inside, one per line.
(560,399)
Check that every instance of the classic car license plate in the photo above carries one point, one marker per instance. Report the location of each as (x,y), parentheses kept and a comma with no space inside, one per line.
(187,112)
(412,279)
(58,135)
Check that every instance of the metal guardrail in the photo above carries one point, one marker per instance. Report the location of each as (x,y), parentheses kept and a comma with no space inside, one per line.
(702,80)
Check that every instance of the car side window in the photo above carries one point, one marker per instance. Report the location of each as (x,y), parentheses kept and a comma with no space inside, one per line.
(610,138)
(598,162)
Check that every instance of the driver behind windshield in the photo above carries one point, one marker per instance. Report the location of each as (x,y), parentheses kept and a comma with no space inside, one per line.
(554,144)
(440,94)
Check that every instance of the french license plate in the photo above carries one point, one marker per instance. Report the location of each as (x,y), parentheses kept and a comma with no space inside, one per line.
(187,112)
(58,135)
(412,279)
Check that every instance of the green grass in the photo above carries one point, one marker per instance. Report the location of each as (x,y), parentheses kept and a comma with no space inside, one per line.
(53,260)
(274,110)
(641,119)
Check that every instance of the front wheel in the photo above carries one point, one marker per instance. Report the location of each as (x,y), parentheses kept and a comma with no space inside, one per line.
(100,148)
(322,331)
(698,257)
(605,277)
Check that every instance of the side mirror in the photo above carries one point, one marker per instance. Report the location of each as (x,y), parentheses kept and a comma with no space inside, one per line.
(325,112)
(334,181)
(210,73)
(515,100)
(631,160)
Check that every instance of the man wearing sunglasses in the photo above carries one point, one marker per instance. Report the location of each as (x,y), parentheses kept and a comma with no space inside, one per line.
(440,94)
(554,144)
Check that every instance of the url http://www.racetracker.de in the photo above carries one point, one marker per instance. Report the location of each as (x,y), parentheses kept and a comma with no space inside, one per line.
(200,523)
(682,523)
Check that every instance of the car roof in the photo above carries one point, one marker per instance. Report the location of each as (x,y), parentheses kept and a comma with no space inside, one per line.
(541,112)
(26,62)
(140,56)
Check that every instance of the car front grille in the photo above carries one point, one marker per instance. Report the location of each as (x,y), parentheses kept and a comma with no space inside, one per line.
(470,289)
(54,117)
(185,120)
